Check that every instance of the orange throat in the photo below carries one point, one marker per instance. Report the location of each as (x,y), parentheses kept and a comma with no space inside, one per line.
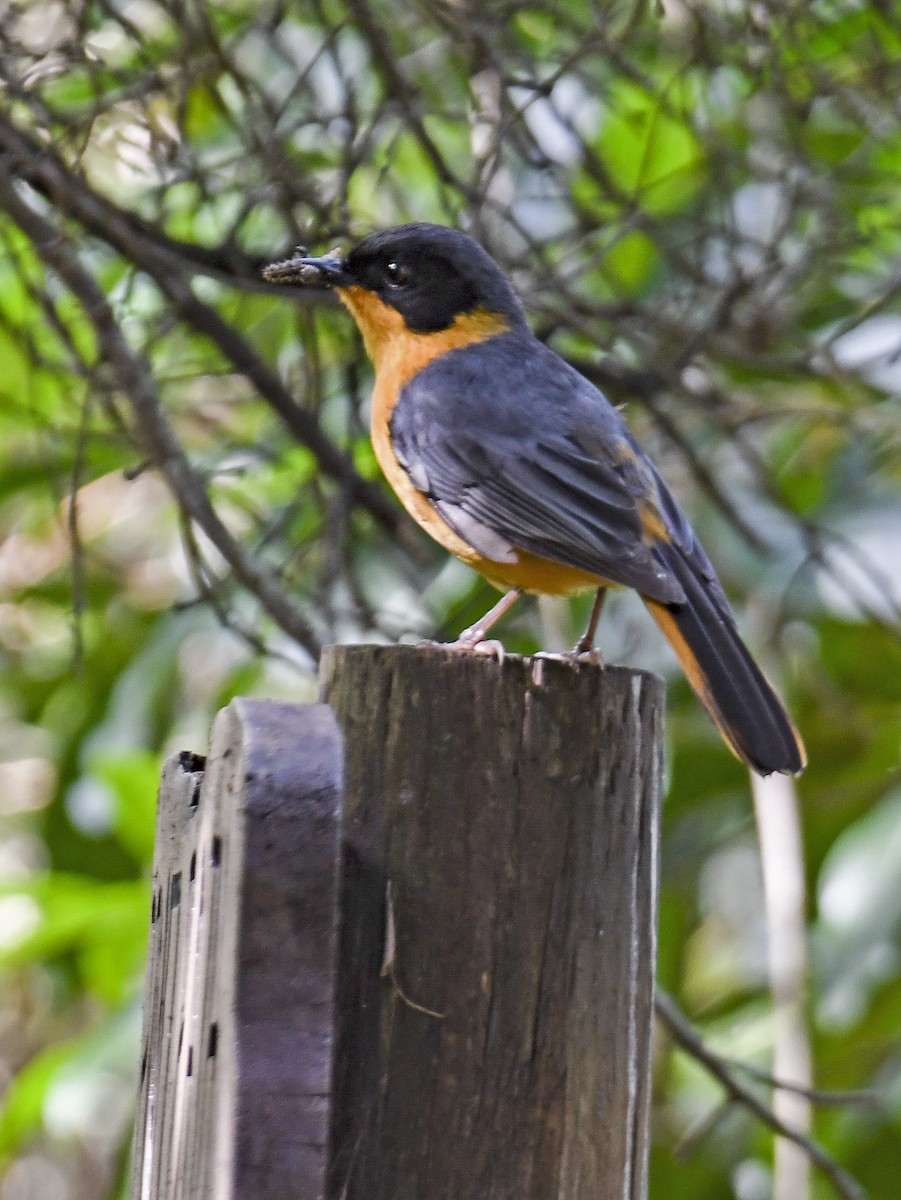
(395,348)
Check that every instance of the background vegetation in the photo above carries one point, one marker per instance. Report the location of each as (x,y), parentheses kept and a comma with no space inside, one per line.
(699,202)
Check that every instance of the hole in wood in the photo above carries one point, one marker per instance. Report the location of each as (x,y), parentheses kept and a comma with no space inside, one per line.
(190,762)
(144,1066)
(195,794)
(175,891)
(190,1070)
(214,1040)
(153,908)
(193,865)
(216,853)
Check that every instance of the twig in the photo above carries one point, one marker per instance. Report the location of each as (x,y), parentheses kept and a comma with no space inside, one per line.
(79,589)
(688,1039)
(402,92)
(389,959)
(824,1097)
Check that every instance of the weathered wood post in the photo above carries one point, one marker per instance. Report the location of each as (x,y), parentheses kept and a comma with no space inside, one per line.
(512,808)
(495,926)
(238,998)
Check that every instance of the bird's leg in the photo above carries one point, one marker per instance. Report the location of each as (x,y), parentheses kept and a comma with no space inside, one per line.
(585,644)
(474,636)
(584,650)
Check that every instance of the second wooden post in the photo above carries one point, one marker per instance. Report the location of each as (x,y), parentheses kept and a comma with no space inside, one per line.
(496,958)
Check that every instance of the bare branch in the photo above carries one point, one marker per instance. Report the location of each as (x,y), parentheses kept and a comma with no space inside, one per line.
(133,376)
(688,1039)
(822,1097)
(46,172)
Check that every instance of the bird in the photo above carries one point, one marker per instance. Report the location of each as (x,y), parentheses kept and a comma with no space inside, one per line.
(513,461)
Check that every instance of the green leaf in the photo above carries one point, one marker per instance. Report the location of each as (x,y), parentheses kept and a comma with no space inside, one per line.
(132,777)
(65,1087)
(102,926)
(630,263)
(22,1109)
(650,148)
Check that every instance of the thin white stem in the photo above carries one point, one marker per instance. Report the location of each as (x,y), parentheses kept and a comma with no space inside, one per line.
(782,862)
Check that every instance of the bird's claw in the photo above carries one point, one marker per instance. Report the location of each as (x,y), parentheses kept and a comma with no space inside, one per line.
(579,657)
(489,646)
(590,656)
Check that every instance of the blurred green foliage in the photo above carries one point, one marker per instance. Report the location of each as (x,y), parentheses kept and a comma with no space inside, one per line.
(698,200)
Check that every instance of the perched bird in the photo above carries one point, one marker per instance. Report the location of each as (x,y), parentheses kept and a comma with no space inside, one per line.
(517,464)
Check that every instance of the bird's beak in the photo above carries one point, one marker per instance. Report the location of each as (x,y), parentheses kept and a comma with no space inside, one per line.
(328,271)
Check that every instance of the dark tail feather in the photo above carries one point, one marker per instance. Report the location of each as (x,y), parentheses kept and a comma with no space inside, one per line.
(730,685)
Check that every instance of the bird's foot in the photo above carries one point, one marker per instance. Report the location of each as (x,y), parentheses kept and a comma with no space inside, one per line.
(479,645)
(588,654)
(473,644)
(591,657)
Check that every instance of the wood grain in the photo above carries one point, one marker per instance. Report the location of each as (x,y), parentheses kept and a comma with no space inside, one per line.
(512,808)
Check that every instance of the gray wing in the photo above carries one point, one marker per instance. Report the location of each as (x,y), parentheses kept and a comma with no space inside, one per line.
(572,495)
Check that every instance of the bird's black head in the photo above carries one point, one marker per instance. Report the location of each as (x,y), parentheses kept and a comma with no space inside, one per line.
(429,274)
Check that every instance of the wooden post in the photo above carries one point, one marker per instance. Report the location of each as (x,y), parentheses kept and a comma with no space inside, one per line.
(494,925)
(238,998)
(501,824)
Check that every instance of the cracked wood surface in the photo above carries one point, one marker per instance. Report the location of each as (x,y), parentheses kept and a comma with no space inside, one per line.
(512,807)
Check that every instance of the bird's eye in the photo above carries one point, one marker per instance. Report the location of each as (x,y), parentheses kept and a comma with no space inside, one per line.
(396,275)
